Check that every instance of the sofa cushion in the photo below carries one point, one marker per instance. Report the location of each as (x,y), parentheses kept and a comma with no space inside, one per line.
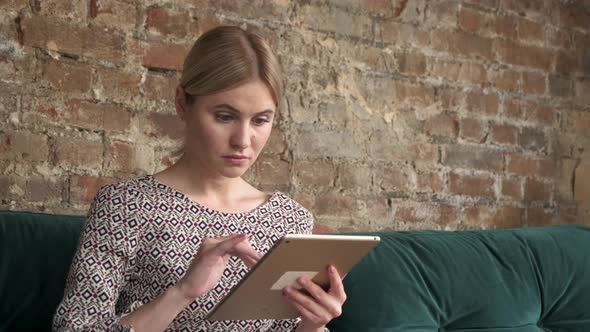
(35,254)
(522,280)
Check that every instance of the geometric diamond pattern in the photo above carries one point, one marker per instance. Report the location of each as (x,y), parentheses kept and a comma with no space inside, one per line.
(140,237)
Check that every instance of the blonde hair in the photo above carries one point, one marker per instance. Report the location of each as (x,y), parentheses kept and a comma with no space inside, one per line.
(225,57)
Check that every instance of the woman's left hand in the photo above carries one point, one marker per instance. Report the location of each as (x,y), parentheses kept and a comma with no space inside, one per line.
(319,306)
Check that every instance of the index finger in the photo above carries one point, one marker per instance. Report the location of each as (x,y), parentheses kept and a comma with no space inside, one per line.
(227,245)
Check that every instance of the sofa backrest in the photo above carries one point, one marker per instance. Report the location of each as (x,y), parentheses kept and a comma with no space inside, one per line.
(520,280)
(35,254)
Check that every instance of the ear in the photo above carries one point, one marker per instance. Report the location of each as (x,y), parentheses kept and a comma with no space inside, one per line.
(180,103)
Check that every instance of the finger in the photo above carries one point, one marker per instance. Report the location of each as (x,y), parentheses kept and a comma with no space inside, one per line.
(305,313)
(244,249)
(307,306)
(330,303)
(336,287)
(227,245)
(317,292)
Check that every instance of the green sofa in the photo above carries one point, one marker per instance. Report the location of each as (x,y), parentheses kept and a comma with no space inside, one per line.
(520,280)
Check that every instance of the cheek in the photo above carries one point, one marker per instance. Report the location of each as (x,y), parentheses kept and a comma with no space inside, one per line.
(262,136)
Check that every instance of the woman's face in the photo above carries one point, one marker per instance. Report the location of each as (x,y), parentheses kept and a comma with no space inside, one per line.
(226,131)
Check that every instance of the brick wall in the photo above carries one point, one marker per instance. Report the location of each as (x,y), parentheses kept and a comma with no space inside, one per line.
(397,115)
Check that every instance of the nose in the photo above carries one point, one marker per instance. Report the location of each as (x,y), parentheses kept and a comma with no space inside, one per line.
(241,137)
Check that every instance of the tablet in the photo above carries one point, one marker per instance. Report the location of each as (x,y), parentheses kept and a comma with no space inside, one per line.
(259,294)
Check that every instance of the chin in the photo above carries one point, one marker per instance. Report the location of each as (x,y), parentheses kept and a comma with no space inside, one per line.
(233,172)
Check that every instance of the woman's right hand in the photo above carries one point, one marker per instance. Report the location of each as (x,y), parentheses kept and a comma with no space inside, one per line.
(210,262)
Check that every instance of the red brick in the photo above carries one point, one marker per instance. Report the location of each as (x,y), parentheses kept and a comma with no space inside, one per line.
(473,157)
(520,165)
(499,217)
(84,188)
(489,4)
(472,130)
(420,212)
(530,31)
(39,189)
(165,56)
(391,178)
(48,34)
(574,15)
(163,124)
(429,182)
(423,153)
(560,38)
(88,115)
(387,32)
(15,4)
(336,20)
(442,125)
(79,153)
(315,173)
(442,13)
(579,122)
(529,111)
(207,23)
(412,63)
(503,134)
(353,176)
(524,8)
(482,103)
(418,95)
(323,229)
(547,168)
(119,85)
(506,80)
(560,87)
(504,26)
(334,204)
(23,146)
(121,157)
(276,143)
(512,188)
(528,56)
(160,87)
(582,91)
(117,14)
(165,22)
(462,44)
(459,72)
(537,217)
(537,191)
(471,185)
(532,139)
(566,63)
(470,20)
(533,83)
(68,77)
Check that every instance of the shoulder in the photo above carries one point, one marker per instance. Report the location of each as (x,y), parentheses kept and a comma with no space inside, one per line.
(292,206)
(130,189)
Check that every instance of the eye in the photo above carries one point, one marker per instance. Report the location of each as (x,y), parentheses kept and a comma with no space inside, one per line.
(222,117)
(260,121)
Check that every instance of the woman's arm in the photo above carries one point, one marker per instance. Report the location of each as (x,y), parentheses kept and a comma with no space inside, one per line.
(202,275)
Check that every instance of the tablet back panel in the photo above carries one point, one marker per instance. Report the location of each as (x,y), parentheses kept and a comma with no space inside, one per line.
(259,294)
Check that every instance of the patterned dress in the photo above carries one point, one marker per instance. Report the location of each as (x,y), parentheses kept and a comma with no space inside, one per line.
(140,238)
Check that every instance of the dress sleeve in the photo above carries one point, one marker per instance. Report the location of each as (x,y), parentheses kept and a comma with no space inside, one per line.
(304,225)
(101,265)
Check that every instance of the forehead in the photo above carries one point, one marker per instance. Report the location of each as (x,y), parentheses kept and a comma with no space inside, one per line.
(250,97)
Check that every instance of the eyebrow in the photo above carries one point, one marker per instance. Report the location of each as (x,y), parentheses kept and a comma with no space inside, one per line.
(235,110)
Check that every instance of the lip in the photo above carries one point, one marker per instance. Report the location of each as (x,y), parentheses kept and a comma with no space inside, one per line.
(236,160)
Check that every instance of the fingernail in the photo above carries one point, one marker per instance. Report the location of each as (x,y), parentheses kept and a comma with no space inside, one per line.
(332,269)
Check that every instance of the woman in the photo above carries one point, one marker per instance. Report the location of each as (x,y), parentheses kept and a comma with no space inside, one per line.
(158,252)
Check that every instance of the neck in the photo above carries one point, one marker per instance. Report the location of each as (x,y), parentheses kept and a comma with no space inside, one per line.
(199,182)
